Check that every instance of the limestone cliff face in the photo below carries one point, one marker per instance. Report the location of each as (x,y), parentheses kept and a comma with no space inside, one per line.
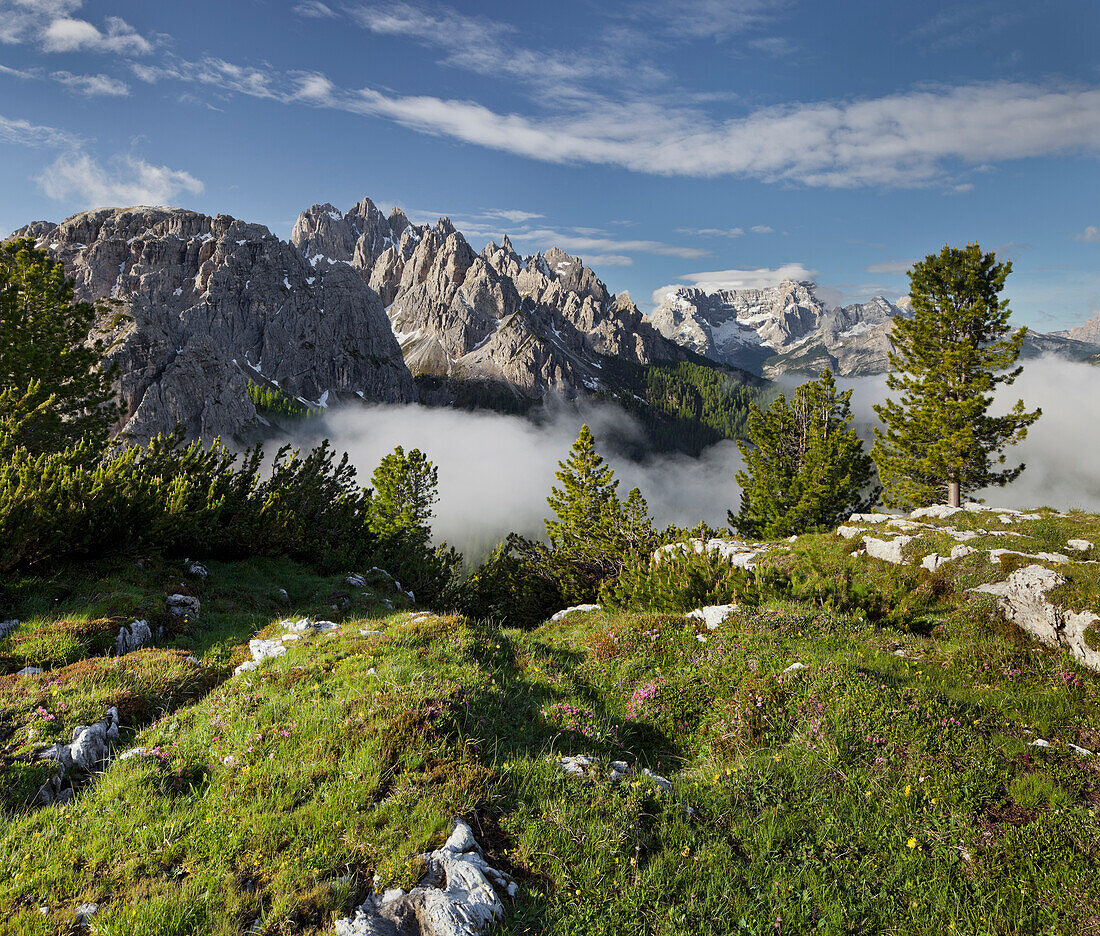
(200,305)
(529,325)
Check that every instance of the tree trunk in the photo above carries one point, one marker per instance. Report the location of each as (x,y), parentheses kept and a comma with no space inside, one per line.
(953,494)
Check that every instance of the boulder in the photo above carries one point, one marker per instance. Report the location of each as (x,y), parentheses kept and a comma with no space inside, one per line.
(1022,598)
(458,895)
(129,638)
(887,550)
(183,606)
(712,615)
(565,612)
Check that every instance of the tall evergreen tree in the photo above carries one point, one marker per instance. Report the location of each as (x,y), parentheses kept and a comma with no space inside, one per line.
(938,441)
(44,359)
(594,531)
(404,494)
(805,468)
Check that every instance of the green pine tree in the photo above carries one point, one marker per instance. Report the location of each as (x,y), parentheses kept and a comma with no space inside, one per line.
(44,360)
(594,531)
(938,441)
(805,468)
(404,494)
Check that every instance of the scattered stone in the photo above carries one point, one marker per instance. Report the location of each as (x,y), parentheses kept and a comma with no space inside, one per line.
(887,550)
(576,765)
(29,671)
(282,594)
(457,896)
(7,626)
(370,633)
(1039,742)
(792,672)
(739,554)
(137,634)
(1084,752)
(133,752)
(87,749)
(712,615)
(995,556)
(266,649)
(663,783)
(936,512)
(183,606)
(356,581)
(1022,598)
(619,771)
(1081,545)
(85,912)
(561,615)
(197,569)
(870,518)
(396,584)
(850,532)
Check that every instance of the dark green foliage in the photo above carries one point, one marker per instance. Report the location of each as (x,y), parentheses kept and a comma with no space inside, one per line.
(683,406)
(45,367)
(272,401)
(805,468)
(948,359)
(594,530)
(179,499)
(405,489)
(508,586)
(676,582)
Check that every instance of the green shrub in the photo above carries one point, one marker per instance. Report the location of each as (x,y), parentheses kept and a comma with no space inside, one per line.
(675,582)
(272,401)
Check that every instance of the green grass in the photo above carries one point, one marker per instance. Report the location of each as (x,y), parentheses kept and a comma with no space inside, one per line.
(876,793)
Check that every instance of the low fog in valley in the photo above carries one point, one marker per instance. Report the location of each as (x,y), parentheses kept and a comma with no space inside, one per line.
(495,471)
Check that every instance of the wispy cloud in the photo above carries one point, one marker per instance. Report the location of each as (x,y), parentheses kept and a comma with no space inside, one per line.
(712,232)
(24,133)
(965,24)
(514,215)
(547,237)
(92,85)
(76,178)
(762,229)
(315,10)
(1090,235)
(708,19)
(711,281)
(76,35)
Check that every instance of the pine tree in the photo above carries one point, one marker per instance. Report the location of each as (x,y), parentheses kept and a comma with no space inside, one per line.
(594,531)
(404,493)
(939,443)
(42,343)
(805,468)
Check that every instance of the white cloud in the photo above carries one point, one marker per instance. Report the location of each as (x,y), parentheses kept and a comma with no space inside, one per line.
(608,260)
(546,237)
(73,35)
(762,229)
(511,214)
(708,19)
(889,267)
(92,85)
(24,133)
(760,278)
(1089,235)
(712,232)
(915,138)
(314,9)
(75,177)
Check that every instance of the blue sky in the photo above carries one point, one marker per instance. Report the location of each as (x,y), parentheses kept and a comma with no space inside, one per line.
(666,141)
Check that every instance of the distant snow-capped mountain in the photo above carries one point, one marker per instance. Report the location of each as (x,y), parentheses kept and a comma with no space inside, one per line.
(789,329)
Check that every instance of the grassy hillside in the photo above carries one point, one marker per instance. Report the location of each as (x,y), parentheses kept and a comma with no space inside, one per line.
(891,785)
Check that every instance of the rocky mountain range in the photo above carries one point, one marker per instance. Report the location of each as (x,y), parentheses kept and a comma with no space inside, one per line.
(361,305)
(789,329)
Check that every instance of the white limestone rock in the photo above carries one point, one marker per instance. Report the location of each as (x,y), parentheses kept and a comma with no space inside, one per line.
(663,783)
(355,581)
(887,550)
(936,512)
(1022,598)
(8,626)
(565,612)
(1080,545)
(457,896)
(576,764)
(712,615)
(793,672)
(1057,558)
(197,569)
(129,638)
(870,518)
(184,606)
(737,553)
(29,671)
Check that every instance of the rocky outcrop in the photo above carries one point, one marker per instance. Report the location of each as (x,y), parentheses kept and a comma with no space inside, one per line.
(78,758)
(194,307)
(458,895)
(1022,598)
